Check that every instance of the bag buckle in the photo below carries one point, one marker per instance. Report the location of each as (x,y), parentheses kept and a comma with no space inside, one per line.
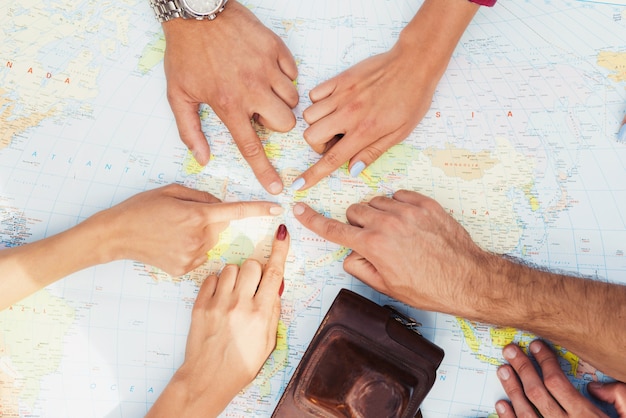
(406,321)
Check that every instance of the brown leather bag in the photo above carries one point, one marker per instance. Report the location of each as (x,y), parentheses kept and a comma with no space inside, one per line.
(365,360)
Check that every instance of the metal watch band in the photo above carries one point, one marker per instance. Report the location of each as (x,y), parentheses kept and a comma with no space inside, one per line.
(165,10)
(488,3)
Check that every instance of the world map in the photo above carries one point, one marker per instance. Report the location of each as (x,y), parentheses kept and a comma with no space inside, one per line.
(519,146)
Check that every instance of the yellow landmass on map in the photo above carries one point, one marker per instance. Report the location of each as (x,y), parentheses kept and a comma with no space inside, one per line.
(152,54)
(479,198)
(276,362)
(330,258)
(570,357)
(12,126)
(31,347)
(392,166)
(615,62)
(477,336)
(289,25)
(498,337)
(502,336)
(532,197)
(461,163)
(41,90)
(190,165)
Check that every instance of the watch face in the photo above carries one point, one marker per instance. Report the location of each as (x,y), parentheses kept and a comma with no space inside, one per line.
(202,7)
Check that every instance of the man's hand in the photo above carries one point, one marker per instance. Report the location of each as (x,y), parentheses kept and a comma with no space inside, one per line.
(378,102)
(171,227)
(409,248)
(552,394)
(242,70)
(233,331)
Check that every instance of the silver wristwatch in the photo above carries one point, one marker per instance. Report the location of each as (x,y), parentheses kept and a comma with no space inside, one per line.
(187,9)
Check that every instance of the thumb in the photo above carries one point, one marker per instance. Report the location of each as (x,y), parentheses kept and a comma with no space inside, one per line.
(358,266)
(190,128)
(613,393)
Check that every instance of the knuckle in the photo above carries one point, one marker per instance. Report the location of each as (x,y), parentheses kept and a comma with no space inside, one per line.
(225,101)
(334,229)
(514,391)
(306,116)
(250,149)
(534,393)
(369,240)
(251,262)
(355,106)
(287,124)
(525,368)
(372,153)
(553,382)
(239,210)
(331,159)
(292,100)
(273,271)
(228,267)
(311,138)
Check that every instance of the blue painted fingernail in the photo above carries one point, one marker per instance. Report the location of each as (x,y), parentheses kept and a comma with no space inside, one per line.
(357,168)
(621,135)
(298,184)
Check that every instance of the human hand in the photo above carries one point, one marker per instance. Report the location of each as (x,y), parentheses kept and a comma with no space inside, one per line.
(613,393)
(409,248)
(171,227)
(374,105)
(551,395)
(242,70)
(379,101)
(233,331)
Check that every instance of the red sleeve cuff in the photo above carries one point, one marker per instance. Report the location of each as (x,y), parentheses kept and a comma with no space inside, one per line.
(489,3)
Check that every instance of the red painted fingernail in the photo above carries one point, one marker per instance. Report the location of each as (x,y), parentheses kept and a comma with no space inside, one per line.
(282,288)
(281,234)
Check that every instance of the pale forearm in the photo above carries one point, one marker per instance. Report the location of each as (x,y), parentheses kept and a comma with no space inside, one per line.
(436,29)
(176,401)
(31,267)
(583,315)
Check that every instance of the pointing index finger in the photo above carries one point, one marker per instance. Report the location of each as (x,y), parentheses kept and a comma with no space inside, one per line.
(329,229)
(226,212)
(252,150)
(274,270)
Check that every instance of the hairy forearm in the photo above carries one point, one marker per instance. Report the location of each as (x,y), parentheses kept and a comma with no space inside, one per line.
(585,316)
(29,268)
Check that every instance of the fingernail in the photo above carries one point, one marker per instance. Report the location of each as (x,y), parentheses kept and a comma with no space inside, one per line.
(276,210)
(275,187)
(500,409)
(281,233)
(298,209)
(509,352)
(282,288)
(594,385)
(535,347)
(357,168)
(621,135)
(298,184)
(196,156)
(503,373)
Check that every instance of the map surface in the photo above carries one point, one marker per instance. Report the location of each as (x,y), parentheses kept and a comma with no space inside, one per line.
(519,145)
